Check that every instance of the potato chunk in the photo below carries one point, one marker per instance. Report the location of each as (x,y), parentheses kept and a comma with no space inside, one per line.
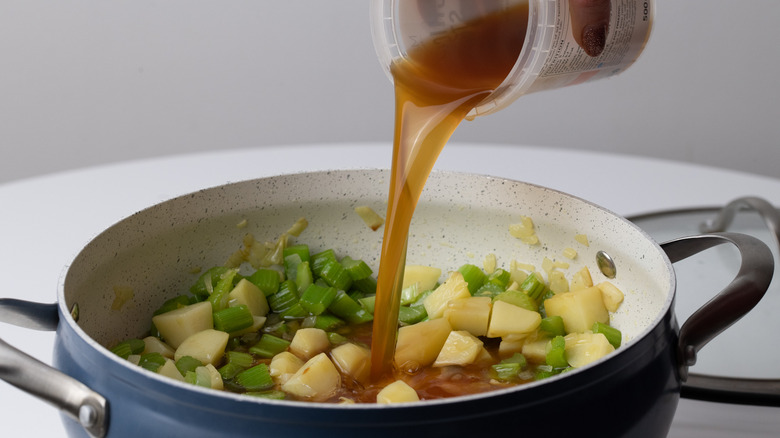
(454,288)
(418,345)
(425,276)
(397,392)
(317,379)
(169,370)
(471,314)
(208,346)
(579,309)
(155,345)
(352,360)
(309,342)
(461,348)
(283,366)
(508,319)
(246,293)
(584,348)
(177,325)
(611,295)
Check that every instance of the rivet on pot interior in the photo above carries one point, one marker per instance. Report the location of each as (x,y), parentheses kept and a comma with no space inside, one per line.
(74,312)
(606,264)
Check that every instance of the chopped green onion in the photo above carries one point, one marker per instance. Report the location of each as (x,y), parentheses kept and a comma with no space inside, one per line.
(186,364)
(257,378)
(267,280)
(517,298)
(613,335)
(233,319)
(335,275)
(285,298)
(473,276)
(269,346)
(316,299)
(556,356)
(346,308)
(552,325)
(131,346)
(151,361)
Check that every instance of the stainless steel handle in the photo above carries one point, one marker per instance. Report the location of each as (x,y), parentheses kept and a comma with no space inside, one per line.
(726,215)
(726,308)
(25,372)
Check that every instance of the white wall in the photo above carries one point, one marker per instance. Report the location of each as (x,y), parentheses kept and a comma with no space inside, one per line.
(84,82)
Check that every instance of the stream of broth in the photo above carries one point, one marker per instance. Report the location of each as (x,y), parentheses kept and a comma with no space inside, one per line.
(436,86)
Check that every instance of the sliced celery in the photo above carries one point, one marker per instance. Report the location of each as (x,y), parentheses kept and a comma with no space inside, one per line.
(173,304)
(233,319)
(552,325)
(205,284)
(291,263)
(303,277)
(357,269)
(186,364)
(500,277)
(151,361)
(505,372)
(239,358)
(269,346)
(296,311)
(336,339)
(613,335)
(517,298)
(131,346)
(272,394)
(327,322)
(534,287)
(257,378)
(412,315)
(220,297)
(285,298)
(267,280)
(368,303)
(302,250)
(230,370)
(489,290)
(318,260)
(335,275)
(366,285)
(316,299)
(473,276)
(556,356)
(345,307)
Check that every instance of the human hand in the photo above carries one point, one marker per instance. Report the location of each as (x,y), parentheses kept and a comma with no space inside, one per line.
(590,20)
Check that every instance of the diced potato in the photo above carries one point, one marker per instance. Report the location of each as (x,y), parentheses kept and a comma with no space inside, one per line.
(316,380)
(558,282)
(454,288)
(309,342)
(418,345)
(510,345)
(579,309)
(508,319)
(461,348)
(536,351)
(283,366)
(177,325)
(611,295)
(216,378)
(581,280)
(426,276)
(155,345)
(169,370)
(584,348)
(208,346)
(245,292)
(471,314)
(397,392)
(352,360)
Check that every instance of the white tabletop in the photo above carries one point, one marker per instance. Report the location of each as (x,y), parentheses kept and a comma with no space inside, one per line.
(47,220)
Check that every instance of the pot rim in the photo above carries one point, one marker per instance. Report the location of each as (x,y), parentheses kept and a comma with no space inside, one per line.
(67,318)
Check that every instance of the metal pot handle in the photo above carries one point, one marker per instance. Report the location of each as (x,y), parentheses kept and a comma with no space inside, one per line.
(25,372)
(726,308)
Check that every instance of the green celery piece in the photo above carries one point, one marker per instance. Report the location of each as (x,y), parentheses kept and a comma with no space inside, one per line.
(410,293)
(553,325)
(233,319)
(244,360)
(357,269)
(517,358)
(545,371)
(151,361)
(474,276)
(319,260)
(517,298)
(269,346)
(186,364)
(412,315)
(547,295)
(365,285)
(211,276)
(296,311)
(348,309)
(267,280)
(336,339)
(303,277)
(421,299)
(131,346)
(272,394)
(613,335)
(335,275)
(368,303)
(505,372)
(291,263)
(489,290)
(327,322)
(230,370)
(257,378)
(301,249)
(316,299)
(173,304)
(534,287)
(285,298)
(499,277)
(219,298)
(556,357)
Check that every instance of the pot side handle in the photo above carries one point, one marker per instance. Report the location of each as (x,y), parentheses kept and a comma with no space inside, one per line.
(25,372)
(726,308)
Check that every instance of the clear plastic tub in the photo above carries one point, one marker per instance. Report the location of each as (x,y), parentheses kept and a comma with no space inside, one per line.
(550,57)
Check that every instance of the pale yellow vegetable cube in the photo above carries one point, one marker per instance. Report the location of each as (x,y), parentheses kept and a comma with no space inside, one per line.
(510,345)
(418,345)
(316,380)
(215,377)
(484,357)
(536,351)
(283,366)
(584,348)
(581,280)
(169,370)
(425,276)
(611,295)
(352,360)
(177,325)
(155,345)
(579,309)
(246,293)
(309,342)
(208,346)
(558,282)
(508,319)
(471,314)
(397,392)
(454,288)
(461,348)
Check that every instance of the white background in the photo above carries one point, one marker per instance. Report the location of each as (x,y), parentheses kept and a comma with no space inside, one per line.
(86,82)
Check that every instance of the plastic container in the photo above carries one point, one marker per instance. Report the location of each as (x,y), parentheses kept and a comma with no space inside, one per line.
(550,57)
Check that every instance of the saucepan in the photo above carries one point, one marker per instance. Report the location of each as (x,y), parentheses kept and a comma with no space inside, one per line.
(461,218)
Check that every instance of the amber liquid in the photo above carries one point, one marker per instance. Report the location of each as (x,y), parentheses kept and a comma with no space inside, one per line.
(438,84)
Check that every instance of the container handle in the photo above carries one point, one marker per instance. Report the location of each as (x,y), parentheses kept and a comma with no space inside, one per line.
(25,372)
(726,308)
